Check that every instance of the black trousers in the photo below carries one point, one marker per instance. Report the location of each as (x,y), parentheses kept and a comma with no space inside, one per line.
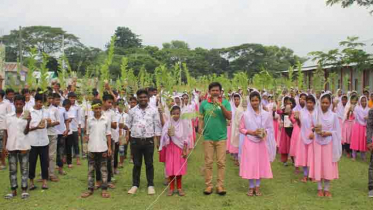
(68,149)
(370,172)
(75,137)
(142,148)
(60,150)
(346,147)
(43,153)
(116,153)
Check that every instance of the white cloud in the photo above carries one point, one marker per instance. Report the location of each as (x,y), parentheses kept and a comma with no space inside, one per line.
(303,25)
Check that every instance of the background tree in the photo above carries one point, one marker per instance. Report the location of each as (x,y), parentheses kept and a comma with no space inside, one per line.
(348,3)
(46,39)
(126,38)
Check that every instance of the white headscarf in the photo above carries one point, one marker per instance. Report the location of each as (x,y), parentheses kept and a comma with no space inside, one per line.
(179,139)
(306,122)
(265,122)
(330,123)
(237,113)
(361,113)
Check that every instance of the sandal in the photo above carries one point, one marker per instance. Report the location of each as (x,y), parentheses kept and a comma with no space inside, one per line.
(25,195)
(9,196)
(33,187)
(181,192)
(251,192)
(111,186)
(170,192)
(327,194)
(54,179)
(44,187)
(105,194)
(63,173)
(257,191)
(320,193)
(86,194)
(304,179)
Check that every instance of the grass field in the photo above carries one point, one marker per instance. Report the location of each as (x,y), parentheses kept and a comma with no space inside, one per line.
(285,191)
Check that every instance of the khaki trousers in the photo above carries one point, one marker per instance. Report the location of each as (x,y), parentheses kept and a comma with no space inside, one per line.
(52,154)
(212,149)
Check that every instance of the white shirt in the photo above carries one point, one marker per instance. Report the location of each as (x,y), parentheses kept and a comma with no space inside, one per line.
(111,117)
(75,111)
(28,105)
(63,116)
(4,110)
(153,101)
(144,123)
(12,107)
(98,129)
(38,137)
(115,132)
(15,127)
(123,121)
(55,117)
(85,109)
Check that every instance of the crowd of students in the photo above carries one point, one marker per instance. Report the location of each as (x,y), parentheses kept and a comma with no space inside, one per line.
(56,126)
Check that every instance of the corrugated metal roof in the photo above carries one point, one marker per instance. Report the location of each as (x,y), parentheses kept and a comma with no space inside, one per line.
(12,67)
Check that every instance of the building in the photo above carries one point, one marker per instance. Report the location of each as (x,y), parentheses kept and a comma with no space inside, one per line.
(357,80)
(11,76)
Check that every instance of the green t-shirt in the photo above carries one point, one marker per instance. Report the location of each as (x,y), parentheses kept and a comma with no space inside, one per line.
(214,121)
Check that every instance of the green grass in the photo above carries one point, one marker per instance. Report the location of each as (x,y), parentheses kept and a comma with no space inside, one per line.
(282,192)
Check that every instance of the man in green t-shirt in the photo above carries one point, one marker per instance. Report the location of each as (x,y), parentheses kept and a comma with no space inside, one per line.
(215,111)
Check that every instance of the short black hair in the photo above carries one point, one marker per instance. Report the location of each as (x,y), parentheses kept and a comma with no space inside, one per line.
(40,97)
(354,97)
(71,95)
(142,91)
(2,93)
(66,102)
(215,84)
(151,89)
(24,91)
(56,95)
(255,94)
(96,102)
(107,97)
(133,98)
(94,92)
(344,97)
(9,90)
(311,98)
(19,98)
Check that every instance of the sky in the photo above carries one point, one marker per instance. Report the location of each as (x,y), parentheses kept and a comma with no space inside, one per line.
(302,25)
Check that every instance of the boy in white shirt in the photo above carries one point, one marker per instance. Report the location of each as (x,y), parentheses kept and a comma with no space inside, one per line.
(75,125)
(98,135)
(63,131)
(123,135)
(53,120)
(5,108)
(38,138)
(16,146)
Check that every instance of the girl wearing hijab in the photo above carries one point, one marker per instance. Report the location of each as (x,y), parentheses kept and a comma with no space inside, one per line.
(296,127)
(175,139)
(304,143)
(348,122)
(286,128)
(326,148)
(358,136)
(259,147)
(188,109)
(237,112)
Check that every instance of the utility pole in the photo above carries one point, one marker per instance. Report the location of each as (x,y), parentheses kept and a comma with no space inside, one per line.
(20,46)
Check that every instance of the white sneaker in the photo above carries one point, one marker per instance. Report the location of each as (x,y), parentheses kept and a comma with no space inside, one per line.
(133,190)
(151,190)
(370,194)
